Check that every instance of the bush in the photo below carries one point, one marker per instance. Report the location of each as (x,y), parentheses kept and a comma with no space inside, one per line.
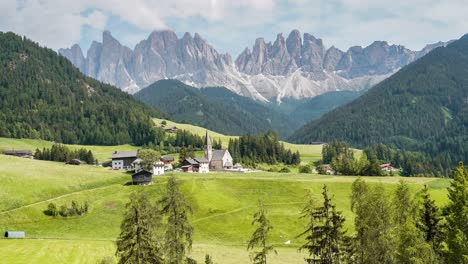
(51,210)
(305,169)
(64,211)
(284,170)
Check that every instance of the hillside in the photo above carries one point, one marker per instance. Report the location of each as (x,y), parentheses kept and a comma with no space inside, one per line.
(215,108)
(223,207)
(42,95)
(316,107)
(423,107)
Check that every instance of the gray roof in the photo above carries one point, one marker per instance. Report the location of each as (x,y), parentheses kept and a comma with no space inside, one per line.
(167,158)
(201,160)
(218,154)
(124,154)
(191,161)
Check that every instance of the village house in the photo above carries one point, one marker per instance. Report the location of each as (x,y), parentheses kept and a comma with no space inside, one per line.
(19,153)
(142,177)
(168,161)
(388,167)
(158,167)
(218,159)
(325,169)
(171,129)
(123,160)
(200,165)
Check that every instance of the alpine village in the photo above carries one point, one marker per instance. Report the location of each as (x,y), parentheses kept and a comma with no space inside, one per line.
(125,139)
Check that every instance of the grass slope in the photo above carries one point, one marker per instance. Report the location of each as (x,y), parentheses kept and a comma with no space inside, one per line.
(308,152)
(102,153)
(223,207)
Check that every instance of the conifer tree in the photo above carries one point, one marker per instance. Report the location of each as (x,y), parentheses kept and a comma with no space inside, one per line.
(182,154)
(137,241)
(327,241)
(178,237)
(429,221)
(260,236)
(457,219)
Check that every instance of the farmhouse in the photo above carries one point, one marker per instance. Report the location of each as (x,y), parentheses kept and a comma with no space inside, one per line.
(387,167)
(200,165)
(19,153)
(158,167)
(218,159)
(171,129)
(142,177)
(123,160)
(168,161)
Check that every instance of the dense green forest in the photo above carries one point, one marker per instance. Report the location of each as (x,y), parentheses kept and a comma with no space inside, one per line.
(217,108)
(263,148)
(60,152)
(42,95)
(303,111)
(423,108)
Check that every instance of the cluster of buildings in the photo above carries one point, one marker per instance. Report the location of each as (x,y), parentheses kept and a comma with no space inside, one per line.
(217,160)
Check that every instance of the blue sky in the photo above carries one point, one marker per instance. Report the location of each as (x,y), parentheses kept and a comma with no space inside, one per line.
(230,26)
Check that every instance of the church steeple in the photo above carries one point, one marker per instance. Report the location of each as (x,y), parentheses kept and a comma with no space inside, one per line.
(208,147)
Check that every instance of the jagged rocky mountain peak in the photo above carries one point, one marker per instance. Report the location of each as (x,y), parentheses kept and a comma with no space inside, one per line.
(297,66)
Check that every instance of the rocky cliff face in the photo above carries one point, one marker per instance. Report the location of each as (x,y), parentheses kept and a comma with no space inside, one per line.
(297,67)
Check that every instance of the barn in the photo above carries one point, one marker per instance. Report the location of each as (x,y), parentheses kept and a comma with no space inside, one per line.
(142,177)
(15,234)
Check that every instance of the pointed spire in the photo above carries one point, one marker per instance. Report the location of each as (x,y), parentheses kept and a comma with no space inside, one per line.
(207,139)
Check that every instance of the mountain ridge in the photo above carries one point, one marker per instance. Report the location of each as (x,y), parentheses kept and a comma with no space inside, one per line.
(299,66)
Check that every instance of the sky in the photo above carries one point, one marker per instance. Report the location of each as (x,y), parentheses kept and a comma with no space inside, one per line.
(232,25)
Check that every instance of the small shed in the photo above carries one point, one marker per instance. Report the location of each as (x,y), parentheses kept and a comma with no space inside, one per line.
(15,234)
(19,153)
(142,177)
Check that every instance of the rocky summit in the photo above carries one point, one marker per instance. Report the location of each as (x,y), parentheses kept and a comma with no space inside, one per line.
(299,66)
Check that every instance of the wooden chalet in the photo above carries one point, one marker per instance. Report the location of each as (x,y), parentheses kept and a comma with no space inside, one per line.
(142,177)
(19,153)
(123,160)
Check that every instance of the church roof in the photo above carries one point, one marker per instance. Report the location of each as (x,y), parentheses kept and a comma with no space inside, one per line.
(218,154)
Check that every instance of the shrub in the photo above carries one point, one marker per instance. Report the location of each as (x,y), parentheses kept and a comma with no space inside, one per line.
(305,169)
(284,170)
(51,210)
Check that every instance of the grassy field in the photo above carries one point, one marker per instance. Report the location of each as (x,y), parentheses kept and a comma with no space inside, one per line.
(102,153)
(223,206)
(309,153)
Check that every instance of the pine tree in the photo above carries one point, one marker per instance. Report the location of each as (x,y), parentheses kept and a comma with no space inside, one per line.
(327,241)
(178,237)
(182,154)
(260,236)
(412,247)
(137,240)
(429,221)
(457,219)
(308,213)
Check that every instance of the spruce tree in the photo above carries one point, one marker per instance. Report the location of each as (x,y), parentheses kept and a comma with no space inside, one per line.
(178,237)
(429,221)
(457,219)
(182,154)
(326,240)
(137,243)
(260,236)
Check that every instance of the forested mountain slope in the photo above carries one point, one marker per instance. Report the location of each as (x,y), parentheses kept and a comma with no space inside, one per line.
(42,95)
(215,108)
(423,107)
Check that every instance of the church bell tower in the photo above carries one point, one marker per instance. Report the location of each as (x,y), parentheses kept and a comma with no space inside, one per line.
(208,147)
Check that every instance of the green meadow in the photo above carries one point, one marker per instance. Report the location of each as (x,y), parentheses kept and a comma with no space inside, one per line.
(223,206)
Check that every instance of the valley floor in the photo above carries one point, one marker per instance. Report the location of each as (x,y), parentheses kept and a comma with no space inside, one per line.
(223,206)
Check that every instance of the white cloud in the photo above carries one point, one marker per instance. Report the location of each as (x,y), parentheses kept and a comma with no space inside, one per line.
(59,23)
